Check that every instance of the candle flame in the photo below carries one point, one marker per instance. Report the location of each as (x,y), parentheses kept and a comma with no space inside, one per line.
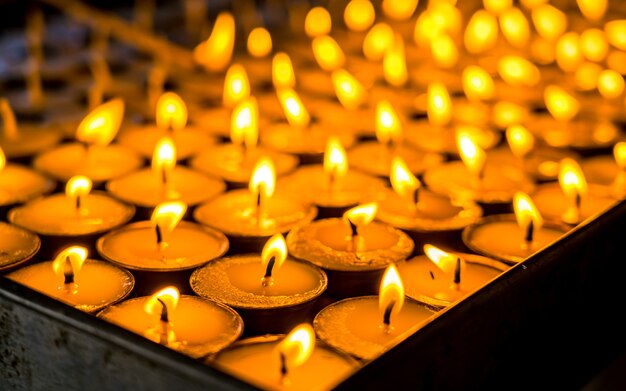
(216,52)
(263,180)
(297,346)
(444,50)
(399,9)
(394,63)
(295,112)
(593,9)
(164,157)
(610,84)
(477,83)
(402,179)
(167,297)
(3,159)
(377,41)
(616,33)
(549,21)
(619,152)
(335,160)
(445,261)
(236,85)
(472,155)
(244,124)
(481,32)
(361,215)
(586,76)
(328,53)
(167,215)
(439,108)
(560,104)
(171,112)
(283,75)
(348,89)
(359,15)
(572,179)
(391,294)
(275,248)
(8,120)
(568,53)
(517,71)
(76,255)
(78,186)
(388,126)
(317,22)
(259,42)
(526,212)
(594,45)
(520,140)
(515,28)
(101,125)
(497,7)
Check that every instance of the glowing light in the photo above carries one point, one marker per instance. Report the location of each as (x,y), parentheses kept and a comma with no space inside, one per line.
(586,76)
(297,346)
(388,125)
(619,152)
(76,188)
(444,51)
(399,9)
(328,54)
(568,54)
(439,104)
(283,75)
(593,45)
(391,296)
(335,162)
(361,215)
(69,262)
(359,15)
(244,126)
(215,53)
(477,84)
(616,33)
(263,181)
(394,63)
(377,41)
(164,159)
(167,215)
(272,257)
(445,261)
(471,154)
(8,120)
(593,9)
(317,22)
(348,89)
(295,112)
(515,28)
(259,42)
(497,6)
(520,140)
(517,71)
(610,84)
(574,186)
(100,126)
(527,215)
(481,32)
(236,85)
(560,104)
(171,112)
(549,21)
(403,182)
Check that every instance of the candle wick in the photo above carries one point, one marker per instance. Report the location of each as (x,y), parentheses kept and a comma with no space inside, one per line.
(159,235)
(530,229)
(387,315)
(283,367)
(78,202)
(416,197)
(578,201)
(164,176)
(457,272)
(354,230)
(432,275)
(164,314)
(68,272)
(267,279)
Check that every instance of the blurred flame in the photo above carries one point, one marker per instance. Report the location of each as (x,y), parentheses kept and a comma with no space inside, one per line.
(388,126)
(216,52)
(394,63)
(101,125)
(610,84)
(520,140)
(167,215)
(76,255)
(244,124)
(236,85)
(549,21)
(477,83)
(481,32)
(560,104)
(399,9)
(619,152)
(526,212)
(594,45)
(616,33)
(259,42)
(444,51)
(327,52)
(402,179)
(572,179)
(297,115)
(282,71)
(377,41)
(517,71)
(348,89)
(472,155)
(439,105)
(497,6)
(593,9)
(171,112)
(3,159)
(9,122)
(275,248)
(297,346)
(515,28)
(317,22)
(359,15)
(391,292)
(263,180)
(568,53)
(335,159)
(78,186)
(164,157)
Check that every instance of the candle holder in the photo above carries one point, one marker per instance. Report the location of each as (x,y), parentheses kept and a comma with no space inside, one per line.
(17,246)
(20,184)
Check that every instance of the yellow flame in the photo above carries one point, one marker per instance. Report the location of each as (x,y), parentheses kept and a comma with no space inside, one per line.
(3,159)
(444,50)
(610,84)
(594,45)
(297,346)
(616,33)
(481,32)
(560,104)
(171,112)
(391,292)
(328,54)
(283,75)
(520,140)
(445,261)
(8,120)
(472,155)
(216,52)
(76,255)
(101,125)
(244,124)
(518,71)
(515,28)
(169,296)
(477,84)
(497,6)
(388,125)
(619,152)
(361,215)
(263,180)
(426,28)
(78,186)
(572,179)
(549,21)
(335,160)
(317,22)
(259,42)
(593,9)
(402,179)
(297,115)
(439,108)
(167,215)
(530,4)
(236,85)
(164,157)
(275,248)
(394,63)
(359,15)
(526,212)
(399,9)
(348,89)
(377,41)
(568,54)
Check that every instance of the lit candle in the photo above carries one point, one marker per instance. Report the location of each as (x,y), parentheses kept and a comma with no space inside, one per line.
(71,278)
(367,326)
(93,155)
(270,291)
(292,362)
(549,21)
(216,51)
(353,250)
(359,15)
(394,63)
(249,216)
(481,32)
(442,278)
(17,246)
(513,238)
(189,324)
(377,41)
(317,22)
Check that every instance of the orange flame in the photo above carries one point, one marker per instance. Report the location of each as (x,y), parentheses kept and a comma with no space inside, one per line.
(101,125)
(263,180)
(171,112)
(244,124)
(572,179)
(619,152)
(402,179)
(236,85)
(560,104)
(520,140)
(361,215)
(394,63)
(445,261)
(481,32)
(388,126)
(439,108)
(593,9)
(549,21)
(167,215)
(275,249)
(70,259)
(216,52)
(616,33)
(297,115)
(472,155)
(444,50)
(335,161)
(167,297)
(526,213)
(348,89)
(516,71)
(283,75)
(317,22)
(359,15)
(328,53)
(297,346)
(8,120)
(515,28)
(477,83)
(377,41)
(3,159)
(399,9)
(259,42)
(391,296)
(164,158)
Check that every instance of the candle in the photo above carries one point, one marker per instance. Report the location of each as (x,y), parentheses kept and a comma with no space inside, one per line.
(171,119)
(16,246)
(367,326)
(270,291)
(71,278)
(250,216)
(216,51)
(353,250)
(189,324)
(608,170)
(331,186)
(441,278)
(293,362)
(92,156)
(512,248)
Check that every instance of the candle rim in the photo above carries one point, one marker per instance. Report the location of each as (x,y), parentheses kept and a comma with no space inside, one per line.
(9,266)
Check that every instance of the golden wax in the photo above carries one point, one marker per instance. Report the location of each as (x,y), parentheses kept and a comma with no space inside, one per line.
(541,163)
(98,284)
(21,184)
(355,325)
(16,245)
(582,133)
(142,139)
(553,203)
(29,141)
(201,327)
(256,361)
(425,282)
(375,158)
(310,141)
(603,170)
(442,139)
(135,247)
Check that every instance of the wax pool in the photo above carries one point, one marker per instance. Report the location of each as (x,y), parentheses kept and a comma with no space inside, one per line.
(355,326)
(256,360)
(552,202)
(201,327)
(16,245)
(99,284)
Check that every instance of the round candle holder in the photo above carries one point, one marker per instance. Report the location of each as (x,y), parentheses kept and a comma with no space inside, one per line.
(326,243)
(31,140)
(354,325)
(499,237)
(375,159)
(442,139)
(97,285)
(58,223)
(237,282)
(255,358)
(425,282)
(134,247)
(542,163)
(20,184)
(17,246)
(202,327)
(234,214)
